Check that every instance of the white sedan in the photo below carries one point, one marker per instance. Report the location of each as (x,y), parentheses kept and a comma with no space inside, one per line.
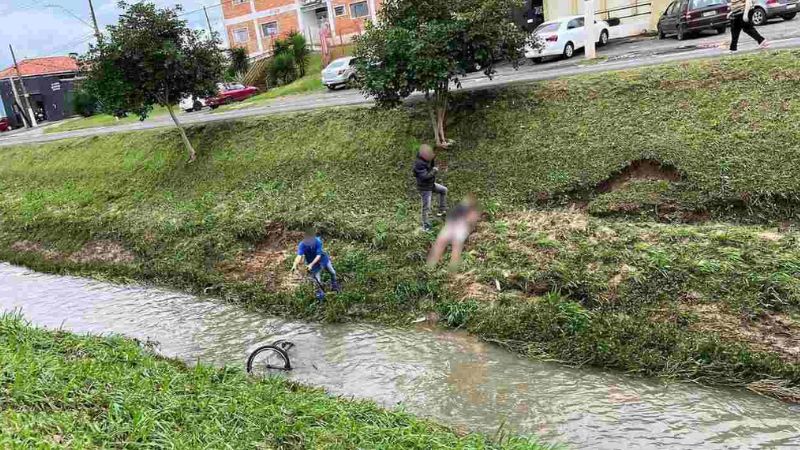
(561,37)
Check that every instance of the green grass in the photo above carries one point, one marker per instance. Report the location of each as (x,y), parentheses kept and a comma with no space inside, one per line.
(312,82)
(606,284)
(99,120)
(60,390)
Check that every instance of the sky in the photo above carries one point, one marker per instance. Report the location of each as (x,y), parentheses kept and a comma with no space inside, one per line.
(39,28)
(50,27)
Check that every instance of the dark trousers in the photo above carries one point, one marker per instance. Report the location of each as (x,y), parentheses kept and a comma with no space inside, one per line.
(426,202)
(738,25)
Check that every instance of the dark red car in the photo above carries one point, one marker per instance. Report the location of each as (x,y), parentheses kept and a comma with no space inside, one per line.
(4,125)
(231,92)
(685,17)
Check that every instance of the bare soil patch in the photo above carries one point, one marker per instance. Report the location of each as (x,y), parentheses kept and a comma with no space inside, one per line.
(774,333)
(35,247)
(103,251)
(265,262)
(642,169)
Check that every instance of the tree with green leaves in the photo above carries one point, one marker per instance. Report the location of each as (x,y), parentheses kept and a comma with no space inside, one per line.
(429,45)
(150,57)
(239,63)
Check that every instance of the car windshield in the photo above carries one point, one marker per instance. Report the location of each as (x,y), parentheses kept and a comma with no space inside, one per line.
(547,28)
(338,63)
(234,86)
(700,4)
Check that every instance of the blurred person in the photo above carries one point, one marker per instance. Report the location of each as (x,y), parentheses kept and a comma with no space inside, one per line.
(425,171)
(310,249)
(460,223)
(741,20)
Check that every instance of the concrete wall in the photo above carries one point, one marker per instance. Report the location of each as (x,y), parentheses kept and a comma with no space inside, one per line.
(554,9)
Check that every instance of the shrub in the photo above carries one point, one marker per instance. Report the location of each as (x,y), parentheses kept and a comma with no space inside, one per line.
(281,70)
(84,103)
(300,51)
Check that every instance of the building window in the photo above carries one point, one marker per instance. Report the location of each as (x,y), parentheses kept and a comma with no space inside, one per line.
(339,11)
(241,35)
(269,29)
(239,2)
(359,9)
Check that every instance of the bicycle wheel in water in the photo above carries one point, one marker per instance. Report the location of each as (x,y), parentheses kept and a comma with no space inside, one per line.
(268,358)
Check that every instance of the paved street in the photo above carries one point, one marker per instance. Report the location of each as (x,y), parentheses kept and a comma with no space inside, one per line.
(618,55)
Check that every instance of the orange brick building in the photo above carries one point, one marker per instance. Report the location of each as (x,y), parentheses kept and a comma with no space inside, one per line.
(253,24)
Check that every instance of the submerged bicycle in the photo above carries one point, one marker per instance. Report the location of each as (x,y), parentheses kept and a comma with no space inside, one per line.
(270,357)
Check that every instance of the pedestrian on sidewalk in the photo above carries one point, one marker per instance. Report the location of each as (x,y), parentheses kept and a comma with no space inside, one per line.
(741,20)
(310,249)
(425,171)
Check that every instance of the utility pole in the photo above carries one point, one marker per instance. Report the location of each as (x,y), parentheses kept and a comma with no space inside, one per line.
(588,27)
(208,21)
(94,22)
(18,102)
(31,115)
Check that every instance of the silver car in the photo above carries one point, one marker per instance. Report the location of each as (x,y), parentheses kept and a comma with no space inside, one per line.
(340,72)
(763,10)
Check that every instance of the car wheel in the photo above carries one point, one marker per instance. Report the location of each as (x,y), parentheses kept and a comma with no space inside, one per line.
(722,29)
(197,106)
(351,82)
(789,16)
(214,106)
(681,32)
(603,38)
(536,60)
(331,86)
(759,17)
(569,50)
(661,34)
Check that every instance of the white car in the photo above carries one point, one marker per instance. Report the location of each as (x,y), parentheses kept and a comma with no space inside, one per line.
(339,72)
(562,37)
(190,104)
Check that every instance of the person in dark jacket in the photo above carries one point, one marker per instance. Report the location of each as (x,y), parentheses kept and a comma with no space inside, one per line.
(425,171)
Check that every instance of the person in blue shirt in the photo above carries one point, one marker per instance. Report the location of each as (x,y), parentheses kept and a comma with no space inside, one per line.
(310,249)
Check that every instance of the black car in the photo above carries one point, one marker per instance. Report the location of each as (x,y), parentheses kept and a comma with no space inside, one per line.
(684,17)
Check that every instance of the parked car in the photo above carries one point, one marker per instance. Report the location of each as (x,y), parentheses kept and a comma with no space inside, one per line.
(190,104)
(340,72)
(229,93)
(685,17)
(562,37)
(763,10)
(4,125)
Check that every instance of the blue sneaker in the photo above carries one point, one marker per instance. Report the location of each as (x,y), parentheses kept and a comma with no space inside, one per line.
(320,296)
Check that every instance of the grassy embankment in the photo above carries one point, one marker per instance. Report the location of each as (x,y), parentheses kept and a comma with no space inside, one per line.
(59,390)
(688,270)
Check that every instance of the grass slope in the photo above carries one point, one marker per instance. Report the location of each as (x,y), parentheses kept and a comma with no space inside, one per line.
(60,390)
(623,273)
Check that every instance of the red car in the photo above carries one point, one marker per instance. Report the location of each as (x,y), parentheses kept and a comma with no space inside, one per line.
(4,125)
(231,92)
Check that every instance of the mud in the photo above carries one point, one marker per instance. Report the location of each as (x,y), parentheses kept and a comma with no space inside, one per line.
(267,262)
(642,169)
(776,333)
(103,251)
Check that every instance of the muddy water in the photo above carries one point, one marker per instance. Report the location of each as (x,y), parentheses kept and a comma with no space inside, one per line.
(451,377)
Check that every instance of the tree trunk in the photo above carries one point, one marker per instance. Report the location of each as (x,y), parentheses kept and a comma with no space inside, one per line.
(186,143)
(441,116)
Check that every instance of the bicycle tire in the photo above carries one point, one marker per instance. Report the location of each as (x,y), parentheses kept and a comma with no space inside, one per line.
(287,365)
